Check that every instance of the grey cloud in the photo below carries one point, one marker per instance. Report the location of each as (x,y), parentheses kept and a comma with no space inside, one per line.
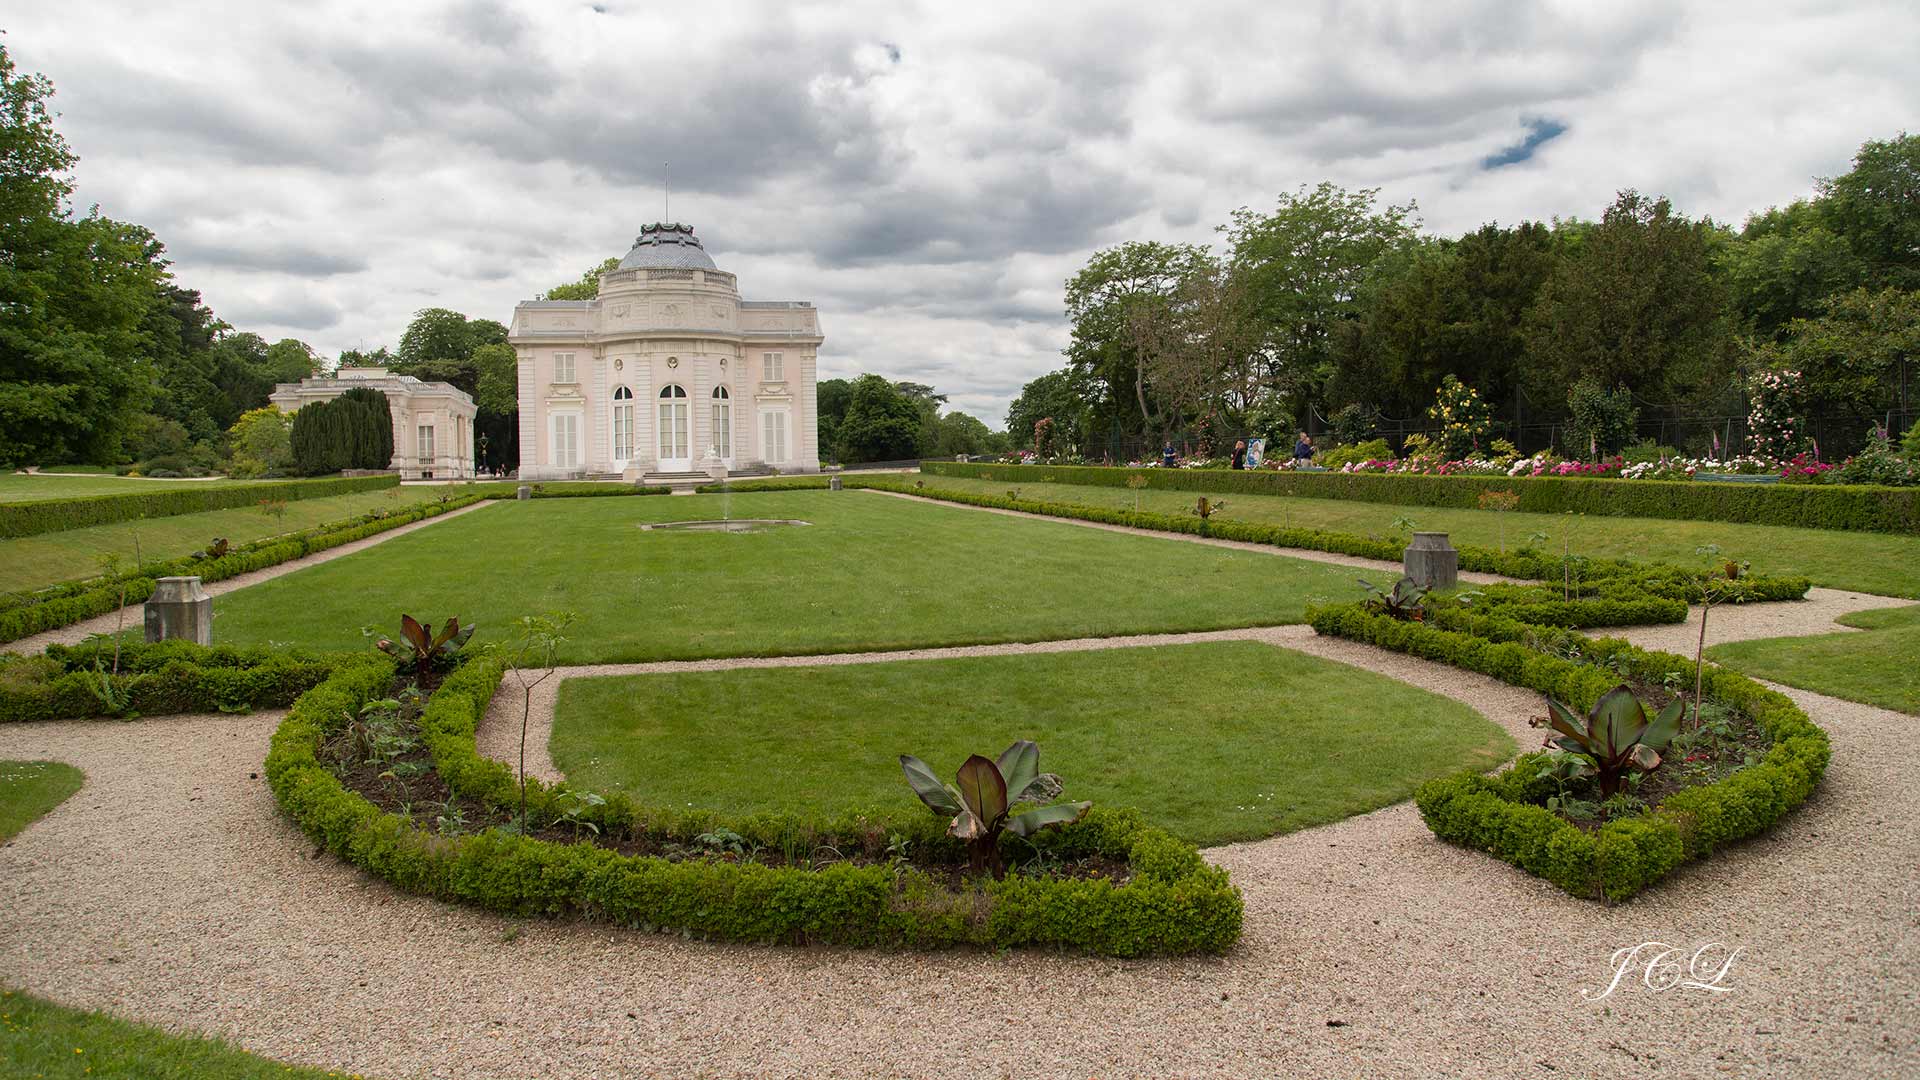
(269,255)
(301,312)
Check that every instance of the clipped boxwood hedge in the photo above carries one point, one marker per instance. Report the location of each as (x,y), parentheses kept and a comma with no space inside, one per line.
(1662,580)
(1173,903)
(1854,507)
(1502,814)
(72,602)
(57,515)
(163,678)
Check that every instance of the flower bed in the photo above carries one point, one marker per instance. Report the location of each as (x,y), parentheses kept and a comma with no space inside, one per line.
(1171,902)
(1505,814)
(1819,506)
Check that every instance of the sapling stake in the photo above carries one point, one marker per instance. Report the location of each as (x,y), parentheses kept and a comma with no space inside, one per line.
(539,636)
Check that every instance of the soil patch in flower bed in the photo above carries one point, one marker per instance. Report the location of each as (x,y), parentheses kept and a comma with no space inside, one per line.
(381,756)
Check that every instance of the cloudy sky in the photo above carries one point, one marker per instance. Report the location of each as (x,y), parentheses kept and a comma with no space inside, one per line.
(928,174)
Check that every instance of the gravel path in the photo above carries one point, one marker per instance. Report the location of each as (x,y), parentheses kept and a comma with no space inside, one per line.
(132,615)
(170,890)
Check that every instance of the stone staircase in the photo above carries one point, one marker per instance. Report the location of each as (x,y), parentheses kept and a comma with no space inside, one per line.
(680,482)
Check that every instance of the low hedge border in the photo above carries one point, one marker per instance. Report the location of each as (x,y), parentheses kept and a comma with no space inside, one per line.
(1502,815)
(160,679)
(1850,507)
(1663,580)
(1174,903)
(71,602)
(58,515)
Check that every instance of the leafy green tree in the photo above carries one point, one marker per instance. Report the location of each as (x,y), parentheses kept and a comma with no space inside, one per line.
(927,402)
(961,433)
(1102,299)
(1304,264)
(1855,357)
(1055,396)
(881,424)
(1875,207)
(587,288)
(831,398)
(75,298)
(1600,420)
(1784,263)
(1635,304)
(260,443)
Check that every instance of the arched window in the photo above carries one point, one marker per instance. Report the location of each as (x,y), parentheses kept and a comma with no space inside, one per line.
(722,422)
(622,423)
(674,434)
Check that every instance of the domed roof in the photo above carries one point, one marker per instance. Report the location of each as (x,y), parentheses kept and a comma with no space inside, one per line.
(670,245)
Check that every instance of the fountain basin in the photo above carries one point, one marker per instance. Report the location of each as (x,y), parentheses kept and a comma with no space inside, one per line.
(736,525)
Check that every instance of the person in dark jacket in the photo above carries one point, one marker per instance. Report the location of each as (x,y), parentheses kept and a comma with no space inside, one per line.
(1167,456)
(1303,449)
(1240,454)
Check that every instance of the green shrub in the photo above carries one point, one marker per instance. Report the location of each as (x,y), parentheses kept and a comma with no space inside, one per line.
(1372,450)
(1502,815)
(159,679)
(1174,903)
(1602,421)
(58,515)
(1820,506)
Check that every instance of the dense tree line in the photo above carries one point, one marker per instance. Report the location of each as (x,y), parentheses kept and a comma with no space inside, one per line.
(1334,304)
(352,431)
(104,357)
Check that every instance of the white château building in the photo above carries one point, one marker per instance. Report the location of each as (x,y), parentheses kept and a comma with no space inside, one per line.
(667,373)
(432,421)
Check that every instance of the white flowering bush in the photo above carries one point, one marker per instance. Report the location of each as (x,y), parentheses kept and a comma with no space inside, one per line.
(1777,415)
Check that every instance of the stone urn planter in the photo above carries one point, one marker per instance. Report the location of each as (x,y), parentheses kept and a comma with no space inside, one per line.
(179,610)
(1431,561)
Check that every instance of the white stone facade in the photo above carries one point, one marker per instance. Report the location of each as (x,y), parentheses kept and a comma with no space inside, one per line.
(668,371)
(432,421)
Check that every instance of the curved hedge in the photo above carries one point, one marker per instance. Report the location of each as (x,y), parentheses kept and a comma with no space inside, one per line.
(1173,903)
(1814,506)
(159,679)
(58,515)
(1502,815)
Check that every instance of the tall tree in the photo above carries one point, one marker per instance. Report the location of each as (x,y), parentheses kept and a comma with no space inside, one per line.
(831,398)
(1876,208)
(1785,262)
(1054,396)
(881,424)
(1103,298)
(1635,304)
(1304,263)
(77,296)
(587,288)
(1855,357)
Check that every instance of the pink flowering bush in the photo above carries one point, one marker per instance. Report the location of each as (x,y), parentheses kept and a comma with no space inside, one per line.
(1805,469)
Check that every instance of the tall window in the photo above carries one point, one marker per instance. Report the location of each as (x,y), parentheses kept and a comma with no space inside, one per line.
(566,440)
(563,367)
(722,422)
(622,423)
(773,436)
(772,367)
(673,423)
(425,442)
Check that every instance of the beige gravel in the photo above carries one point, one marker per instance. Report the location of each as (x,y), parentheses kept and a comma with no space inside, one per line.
(131,614)
(170,890)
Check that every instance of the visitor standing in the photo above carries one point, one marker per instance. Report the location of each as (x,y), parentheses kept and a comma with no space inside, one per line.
(1303,449)
(1167,456)
(1240,454)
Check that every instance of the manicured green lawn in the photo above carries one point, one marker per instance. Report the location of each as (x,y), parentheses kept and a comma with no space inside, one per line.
(41,1039)
(1879,665)
(29,789)
(871,572)
(1866,562)
(1217,742)
(21,487)
(34,561)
